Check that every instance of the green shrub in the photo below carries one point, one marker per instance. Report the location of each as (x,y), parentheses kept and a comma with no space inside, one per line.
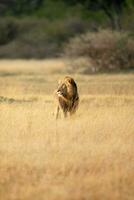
(37,38)
(8,30)
(101,51)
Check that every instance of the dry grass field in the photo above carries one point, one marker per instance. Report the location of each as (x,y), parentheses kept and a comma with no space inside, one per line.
(87,157)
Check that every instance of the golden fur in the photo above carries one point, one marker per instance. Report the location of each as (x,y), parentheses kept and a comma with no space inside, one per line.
(67,96)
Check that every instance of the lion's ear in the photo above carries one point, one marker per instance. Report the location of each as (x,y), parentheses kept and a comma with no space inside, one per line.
(70,81)
(59,82)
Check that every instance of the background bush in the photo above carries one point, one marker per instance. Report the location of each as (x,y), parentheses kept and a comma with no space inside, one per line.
(41,28)
(37,38)
(8,30)
(104,50)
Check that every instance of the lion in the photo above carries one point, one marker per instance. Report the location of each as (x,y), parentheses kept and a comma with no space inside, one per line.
(67,96)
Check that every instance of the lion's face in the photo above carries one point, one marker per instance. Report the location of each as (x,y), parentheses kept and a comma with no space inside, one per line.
(62,89)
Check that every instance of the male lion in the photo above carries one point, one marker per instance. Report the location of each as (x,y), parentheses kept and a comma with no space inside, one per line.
(67,96)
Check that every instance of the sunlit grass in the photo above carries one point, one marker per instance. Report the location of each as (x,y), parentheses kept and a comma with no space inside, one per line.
(89,156)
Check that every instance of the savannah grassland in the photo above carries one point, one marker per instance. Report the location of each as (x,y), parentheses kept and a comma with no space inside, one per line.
(87,157)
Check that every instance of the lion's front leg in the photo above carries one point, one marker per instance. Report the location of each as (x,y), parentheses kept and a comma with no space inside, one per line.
(57,111)
(65,113)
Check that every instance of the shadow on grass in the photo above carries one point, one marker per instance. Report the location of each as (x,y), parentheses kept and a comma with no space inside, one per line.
(5,74)
(12,100)
(17,73)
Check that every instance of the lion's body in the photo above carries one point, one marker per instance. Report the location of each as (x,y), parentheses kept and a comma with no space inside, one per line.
(67,96)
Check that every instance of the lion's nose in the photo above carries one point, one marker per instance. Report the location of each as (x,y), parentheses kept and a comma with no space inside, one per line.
(59,92)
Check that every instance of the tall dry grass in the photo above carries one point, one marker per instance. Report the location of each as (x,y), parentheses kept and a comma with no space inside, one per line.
(89,156)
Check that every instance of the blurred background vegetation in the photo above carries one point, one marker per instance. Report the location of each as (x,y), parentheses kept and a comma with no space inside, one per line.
(45,28)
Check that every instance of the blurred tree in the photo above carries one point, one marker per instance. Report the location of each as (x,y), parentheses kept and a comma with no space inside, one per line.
(130,3)
(19,7)
(23,7)
(53,9)
(5,5)
(112,8)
